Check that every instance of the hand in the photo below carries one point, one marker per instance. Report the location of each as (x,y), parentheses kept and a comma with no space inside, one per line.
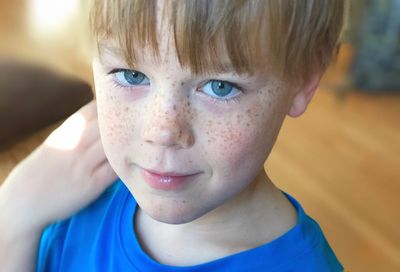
(64,174)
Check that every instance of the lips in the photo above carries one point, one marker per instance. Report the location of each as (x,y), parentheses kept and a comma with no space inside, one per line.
(170,174)
(167,181)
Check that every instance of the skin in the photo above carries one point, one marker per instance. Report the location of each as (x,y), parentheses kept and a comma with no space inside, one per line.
(171,124)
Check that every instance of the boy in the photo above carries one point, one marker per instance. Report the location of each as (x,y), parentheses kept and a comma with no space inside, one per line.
(190,99)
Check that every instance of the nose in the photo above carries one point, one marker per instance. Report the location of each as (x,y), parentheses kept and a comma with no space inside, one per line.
(167,124)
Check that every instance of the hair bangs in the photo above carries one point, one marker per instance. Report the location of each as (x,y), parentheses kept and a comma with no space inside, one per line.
(294,37)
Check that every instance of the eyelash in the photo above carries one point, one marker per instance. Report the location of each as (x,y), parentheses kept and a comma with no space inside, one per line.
(117,85)
(233,100)
(114,82)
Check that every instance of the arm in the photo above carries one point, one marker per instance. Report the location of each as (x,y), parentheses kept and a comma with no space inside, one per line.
(64,174)
(18,249)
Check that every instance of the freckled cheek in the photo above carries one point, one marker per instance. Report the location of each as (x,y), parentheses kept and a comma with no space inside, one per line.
(210,106)
(230,146)
(116,125)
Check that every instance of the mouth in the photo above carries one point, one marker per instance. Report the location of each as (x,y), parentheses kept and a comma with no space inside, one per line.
(168,174)
(167,181)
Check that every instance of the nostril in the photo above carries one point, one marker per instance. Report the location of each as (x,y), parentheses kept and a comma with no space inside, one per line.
(189,140)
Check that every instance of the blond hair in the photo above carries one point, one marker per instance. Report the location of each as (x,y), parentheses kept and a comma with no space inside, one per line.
(301,36)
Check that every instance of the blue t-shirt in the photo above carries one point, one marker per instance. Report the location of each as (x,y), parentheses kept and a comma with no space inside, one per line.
(101,237)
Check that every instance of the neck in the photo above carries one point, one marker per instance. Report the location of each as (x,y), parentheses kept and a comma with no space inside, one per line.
(256,216)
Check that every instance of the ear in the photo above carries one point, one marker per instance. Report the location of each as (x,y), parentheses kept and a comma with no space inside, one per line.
(303,95)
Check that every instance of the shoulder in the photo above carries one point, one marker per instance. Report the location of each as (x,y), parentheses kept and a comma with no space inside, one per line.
(310,249)
(303,248)
(82,229)
(112,196)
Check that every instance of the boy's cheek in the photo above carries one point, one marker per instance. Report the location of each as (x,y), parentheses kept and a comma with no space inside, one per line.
(117,133)
(115,122)
(232,144)
(246,138)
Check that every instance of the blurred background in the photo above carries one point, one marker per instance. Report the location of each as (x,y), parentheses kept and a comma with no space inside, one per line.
(341,159)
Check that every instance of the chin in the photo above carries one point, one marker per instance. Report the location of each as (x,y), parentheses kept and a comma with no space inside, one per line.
(172,212)
(167,209)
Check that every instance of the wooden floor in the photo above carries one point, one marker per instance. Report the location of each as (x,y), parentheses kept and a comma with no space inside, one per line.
(341,159)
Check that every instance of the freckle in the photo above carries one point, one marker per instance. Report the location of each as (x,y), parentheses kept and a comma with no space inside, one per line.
(174,107)
(248,111)
(188,103)
(126,109)
(209,141)
(182,83)
(190,161)
(247,125)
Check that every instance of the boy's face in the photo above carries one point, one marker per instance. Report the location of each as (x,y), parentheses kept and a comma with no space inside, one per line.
(219,128)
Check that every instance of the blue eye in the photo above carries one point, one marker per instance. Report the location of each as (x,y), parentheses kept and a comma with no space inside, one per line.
(128,78)
(220,89)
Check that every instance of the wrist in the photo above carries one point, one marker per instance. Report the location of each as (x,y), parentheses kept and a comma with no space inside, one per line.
(18,244)
(14,223)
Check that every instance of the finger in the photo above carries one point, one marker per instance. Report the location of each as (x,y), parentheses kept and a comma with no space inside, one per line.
(89,111)
(90,135)
(94,155)
(71,132)
(103,176)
